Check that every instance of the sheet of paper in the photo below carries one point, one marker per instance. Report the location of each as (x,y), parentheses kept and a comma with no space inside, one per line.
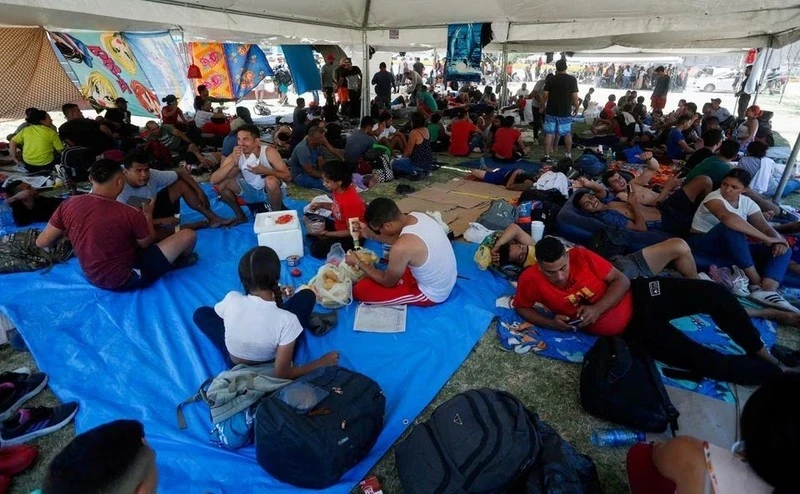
(381,318)
(36,182)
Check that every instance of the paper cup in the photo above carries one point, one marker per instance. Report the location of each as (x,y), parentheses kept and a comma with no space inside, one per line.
(537,231)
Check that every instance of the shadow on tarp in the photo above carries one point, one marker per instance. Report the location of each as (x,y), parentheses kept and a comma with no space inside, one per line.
(138,355)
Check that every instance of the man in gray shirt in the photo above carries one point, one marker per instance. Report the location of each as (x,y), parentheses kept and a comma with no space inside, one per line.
(360,141)
(308,158)
(328,82)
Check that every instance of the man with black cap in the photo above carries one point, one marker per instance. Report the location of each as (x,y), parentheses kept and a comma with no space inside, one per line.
(119,119)
(113,457)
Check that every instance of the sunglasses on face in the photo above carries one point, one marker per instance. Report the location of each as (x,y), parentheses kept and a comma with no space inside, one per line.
(376,231)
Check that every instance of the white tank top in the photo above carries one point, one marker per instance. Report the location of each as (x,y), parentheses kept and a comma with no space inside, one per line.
(256,181)
(436,277)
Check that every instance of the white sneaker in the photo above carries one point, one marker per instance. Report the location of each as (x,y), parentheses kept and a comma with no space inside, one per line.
(773,299)
(476,150)
(568,155)
(704,277)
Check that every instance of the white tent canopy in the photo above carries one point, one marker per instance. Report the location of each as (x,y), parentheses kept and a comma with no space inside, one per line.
(533,26)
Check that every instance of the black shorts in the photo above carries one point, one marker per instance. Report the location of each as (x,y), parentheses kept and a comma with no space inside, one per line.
(150,265)
(164,208)
(677,213)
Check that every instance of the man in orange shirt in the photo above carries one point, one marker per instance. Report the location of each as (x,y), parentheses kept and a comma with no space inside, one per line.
(587,293)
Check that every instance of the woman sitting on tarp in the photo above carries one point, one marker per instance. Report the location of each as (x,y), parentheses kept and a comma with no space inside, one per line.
(41,146)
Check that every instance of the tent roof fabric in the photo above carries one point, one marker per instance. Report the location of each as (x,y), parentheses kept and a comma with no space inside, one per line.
(30,73)
(531,26)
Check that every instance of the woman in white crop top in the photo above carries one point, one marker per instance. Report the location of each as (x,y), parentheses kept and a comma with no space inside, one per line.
(721,227)
(257,327)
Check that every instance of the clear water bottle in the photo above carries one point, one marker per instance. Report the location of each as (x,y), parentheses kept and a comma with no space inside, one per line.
(6,219)
(612,438)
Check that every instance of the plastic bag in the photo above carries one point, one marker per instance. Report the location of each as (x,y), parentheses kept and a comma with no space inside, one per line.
(476,233)
(335,255)
(436,215)
(333,286)
(354,273)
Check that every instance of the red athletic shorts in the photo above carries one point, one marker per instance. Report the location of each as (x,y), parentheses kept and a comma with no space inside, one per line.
(406,292)
(658,103)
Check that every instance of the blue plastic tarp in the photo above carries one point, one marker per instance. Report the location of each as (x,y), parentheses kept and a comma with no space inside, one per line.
(138,355)
(303,67)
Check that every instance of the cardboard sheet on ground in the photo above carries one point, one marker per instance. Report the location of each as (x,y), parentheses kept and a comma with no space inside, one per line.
(457,218)
(138,355)
(479,190)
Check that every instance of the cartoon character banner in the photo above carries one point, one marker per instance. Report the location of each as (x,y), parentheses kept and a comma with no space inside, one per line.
(464,52)
(159,58)
(107,69)
(229,70)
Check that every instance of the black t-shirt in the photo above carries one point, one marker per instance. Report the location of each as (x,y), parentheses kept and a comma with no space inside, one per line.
(383,81)
(86,133)
(199,102)
(43,209)
(117,115)
(560,89)
(698,157)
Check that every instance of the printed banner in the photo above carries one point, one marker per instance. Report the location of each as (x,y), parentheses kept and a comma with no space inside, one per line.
(464,52)
(210,57)
(229,70)
(303,66)
(159,58)
(107,69)
(247,65)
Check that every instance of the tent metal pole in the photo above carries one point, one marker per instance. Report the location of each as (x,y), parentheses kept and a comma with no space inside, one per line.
(789,171)
(504,77)
(366,87)
(764,71)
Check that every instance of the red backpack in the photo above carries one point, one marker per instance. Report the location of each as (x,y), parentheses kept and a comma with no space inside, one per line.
(160,155)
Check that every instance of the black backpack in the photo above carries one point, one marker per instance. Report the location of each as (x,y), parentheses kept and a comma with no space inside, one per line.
(620,383)
(312,431)
(478,441)
(609,242)
(559,468)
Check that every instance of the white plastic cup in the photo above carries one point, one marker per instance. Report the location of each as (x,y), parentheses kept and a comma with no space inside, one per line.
(537,231)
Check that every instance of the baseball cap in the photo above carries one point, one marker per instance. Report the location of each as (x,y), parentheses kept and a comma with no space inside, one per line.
(120,100)
(237,123)
(169,97)
(718,100)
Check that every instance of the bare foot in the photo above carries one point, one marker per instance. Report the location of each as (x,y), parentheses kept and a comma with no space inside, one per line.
(217,222)
(238,220)
(195,225)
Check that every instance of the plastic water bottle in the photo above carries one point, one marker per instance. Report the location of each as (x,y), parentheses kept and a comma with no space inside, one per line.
(6,219)
(612,438)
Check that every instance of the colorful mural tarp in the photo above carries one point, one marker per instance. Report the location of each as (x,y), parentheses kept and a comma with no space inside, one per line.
(106,69)
(229,70)
(464,52)
(158,57)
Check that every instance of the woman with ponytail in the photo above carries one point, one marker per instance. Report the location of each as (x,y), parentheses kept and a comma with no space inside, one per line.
(258,326)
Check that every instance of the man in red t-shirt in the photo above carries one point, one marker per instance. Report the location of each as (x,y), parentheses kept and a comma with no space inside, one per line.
(586,292)
(461,135)
(508,145)
(114,241)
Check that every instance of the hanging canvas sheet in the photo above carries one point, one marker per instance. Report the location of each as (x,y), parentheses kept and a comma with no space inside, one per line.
(160,60)
(229,70)
(247,65)
(303,67)
(464,52)
(106,69)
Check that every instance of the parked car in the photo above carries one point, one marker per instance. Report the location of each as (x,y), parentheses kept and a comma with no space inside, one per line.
(720,82)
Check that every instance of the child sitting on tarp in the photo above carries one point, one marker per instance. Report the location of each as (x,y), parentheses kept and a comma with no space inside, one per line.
(337,176)
(258,326)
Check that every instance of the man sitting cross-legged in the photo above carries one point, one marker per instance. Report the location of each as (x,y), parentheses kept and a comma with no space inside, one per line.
(516,247)
(585,290)
(422,265)
(165,189)
(114,242)
(254,171)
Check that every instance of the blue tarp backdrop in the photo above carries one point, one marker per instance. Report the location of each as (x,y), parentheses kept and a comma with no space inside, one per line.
(303,67)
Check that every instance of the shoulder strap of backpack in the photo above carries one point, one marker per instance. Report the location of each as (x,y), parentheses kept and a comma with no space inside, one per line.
(666,402)
(199,396)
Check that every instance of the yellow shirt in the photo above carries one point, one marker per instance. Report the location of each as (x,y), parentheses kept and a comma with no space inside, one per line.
(39,144)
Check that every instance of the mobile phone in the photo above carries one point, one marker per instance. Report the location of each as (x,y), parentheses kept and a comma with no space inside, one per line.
(575,322)
(138,202)
(681,374)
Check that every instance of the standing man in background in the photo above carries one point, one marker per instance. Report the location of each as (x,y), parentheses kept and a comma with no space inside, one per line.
(660,89)
(560,101)
(744,97)
(383,80)
(328,81)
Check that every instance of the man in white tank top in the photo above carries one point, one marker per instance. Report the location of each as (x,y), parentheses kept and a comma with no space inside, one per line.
(253,172)
(422,265)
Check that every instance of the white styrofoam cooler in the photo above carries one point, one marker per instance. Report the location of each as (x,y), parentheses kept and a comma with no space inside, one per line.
(286,240)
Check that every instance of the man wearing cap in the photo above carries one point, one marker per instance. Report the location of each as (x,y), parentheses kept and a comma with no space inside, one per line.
(119,118)
(84,132)
(328,81)
(720,112)
(660,89)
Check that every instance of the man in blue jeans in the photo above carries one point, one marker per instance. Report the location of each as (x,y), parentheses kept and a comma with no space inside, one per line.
(560,101)
(307,159)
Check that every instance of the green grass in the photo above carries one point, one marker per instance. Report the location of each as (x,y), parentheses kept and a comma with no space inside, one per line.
(548,387)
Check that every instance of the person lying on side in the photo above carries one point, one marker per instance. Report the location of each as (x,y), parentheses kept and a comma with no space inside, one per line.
(28,206)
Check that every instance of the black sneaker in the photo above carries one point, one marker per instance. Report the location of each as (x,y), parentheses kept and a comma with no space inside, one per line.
(186,261)
(16,388)
(547,160)
(29,423)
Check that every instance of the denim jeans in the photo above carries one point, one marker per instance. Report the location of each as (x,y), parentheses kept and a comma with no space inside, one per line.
(301,305)
(733,245)
(303,180)
(404,167)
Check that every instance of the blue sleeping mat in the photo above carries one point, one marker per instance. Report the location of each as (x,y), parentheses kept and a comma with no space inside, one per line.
(524,165)
(138,355)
